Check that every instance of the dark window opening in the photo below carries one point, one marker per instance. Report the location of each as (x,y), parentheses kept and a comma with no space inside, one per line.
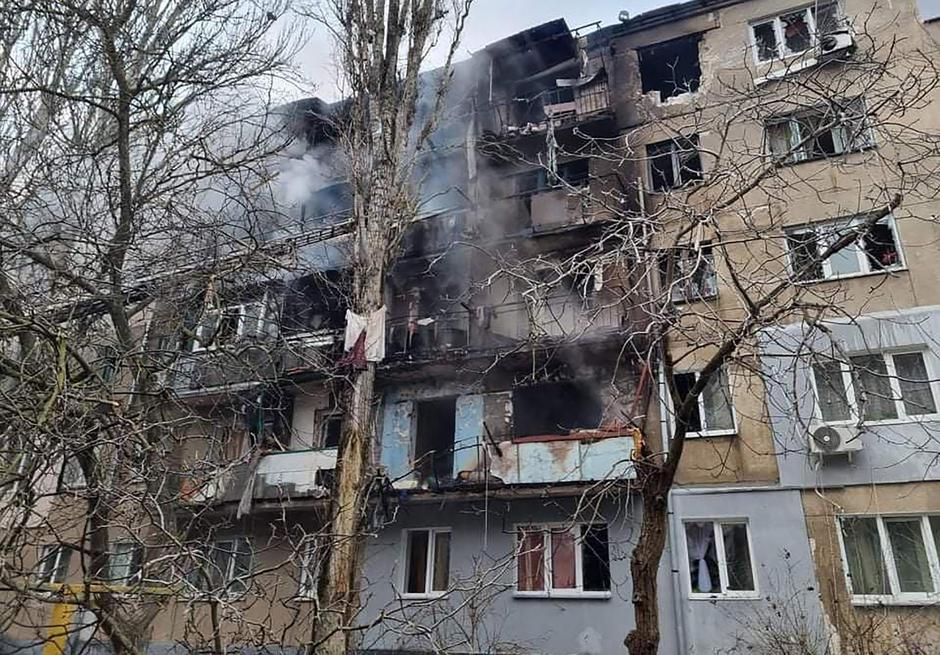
(595,558)
(684,383)
(671,67)
(881,248)
(269,422)
(575,173)
(555,408)
(314,303)
(804,254)
(674,163)
(331,428)
(434,439)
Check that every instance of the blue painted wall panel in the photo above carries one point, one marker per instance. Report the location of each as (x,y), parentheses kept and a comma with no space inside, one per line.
(397,431)
(468,433)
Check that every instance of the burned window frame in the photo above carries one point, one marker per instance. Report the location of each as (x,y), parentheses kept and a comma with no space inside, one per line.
(781,50)
(827,232)
(695,277)
(646,54)
(546,530)
(851,132)
(265,323)
(681,174)
(929,534)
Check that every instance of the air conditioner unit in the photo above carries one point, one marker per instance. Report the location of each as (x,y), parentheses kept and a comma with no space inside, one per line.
(836,41)
(834,440)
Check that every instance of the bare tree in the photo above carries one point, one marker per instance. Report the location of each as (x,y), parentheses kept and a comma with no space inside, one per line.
(131,132)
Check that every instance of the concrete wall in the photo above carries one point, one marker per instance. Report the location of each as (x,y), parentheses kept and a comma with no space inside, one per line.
(481,565)
(893,451)
(783,562)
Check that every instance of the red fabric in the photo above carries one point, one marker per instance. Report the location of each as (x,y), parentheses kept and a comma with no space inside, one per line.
(355,357)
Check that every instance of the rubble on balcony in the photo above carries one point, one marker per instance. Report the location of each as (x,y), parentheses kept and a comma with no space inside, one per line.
(461,442)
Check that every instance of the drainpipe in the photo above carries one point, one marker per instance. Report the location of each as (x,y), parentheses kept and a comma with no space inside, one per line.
(674,566)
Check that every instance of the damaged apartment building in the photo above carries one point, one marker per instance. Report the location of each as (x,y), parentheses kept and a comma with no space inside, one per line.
(514,379)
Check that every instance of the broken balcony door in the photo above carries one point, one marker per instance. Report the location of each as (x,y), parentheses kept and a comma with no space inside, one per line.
(434,440)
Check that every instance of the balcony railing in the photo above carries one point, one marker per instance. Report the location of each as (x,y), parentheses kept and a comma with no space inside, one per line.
(563,107)
(485,328)
(281,475)
(253,360)
(295,474)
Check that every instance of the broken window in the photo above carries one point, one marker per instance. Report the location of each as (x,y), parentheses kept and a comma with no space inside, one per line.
(671,67)
(562,560)
(719,556)
(427,558)
(693,275)
(227,325)
(434,439)
(891,557)
(330,424)
(555,408)
(53,566)
(877,250)
(333,200)
(314,303)
(826,131)
(713,413)
(574,173)
(875,386)
(269,422)
(794,31)
(673,163)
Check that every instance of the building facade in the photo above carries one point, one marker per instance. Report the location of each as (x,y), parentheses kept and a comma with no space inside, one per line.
(522,364)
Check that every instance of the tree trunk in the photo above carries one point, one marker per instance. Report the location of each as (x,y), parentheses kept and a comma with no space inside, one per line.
(644,566)
(342,573)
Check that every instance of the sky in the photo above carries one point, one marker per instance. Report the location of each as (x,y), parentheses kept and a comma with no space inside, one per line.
(490,20)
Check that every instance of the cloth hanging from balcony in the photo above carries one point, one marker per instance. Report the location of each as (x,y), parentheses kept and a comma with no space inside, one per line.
(368,333)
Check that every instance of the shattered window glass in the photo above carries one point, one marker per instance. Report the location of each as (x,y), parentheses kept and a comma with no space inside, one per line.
(765,38)
(796,34)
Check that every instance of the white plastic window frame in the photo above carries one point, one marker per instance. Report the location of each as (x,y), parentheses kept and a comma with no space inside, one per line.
(720,554)
(307,582)
(546,530)
(228,575)
(838,133)
(675,159)
(428,564)
(262,320)
(848,383)
(860,253)
(896,597)
(136,552)
(47,575)
(669,411)
(782,51)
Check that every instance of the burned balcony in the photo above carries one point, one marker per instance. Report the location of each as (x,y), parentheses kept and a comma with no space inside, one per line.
(559,107)
(556,435)
(469,330)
